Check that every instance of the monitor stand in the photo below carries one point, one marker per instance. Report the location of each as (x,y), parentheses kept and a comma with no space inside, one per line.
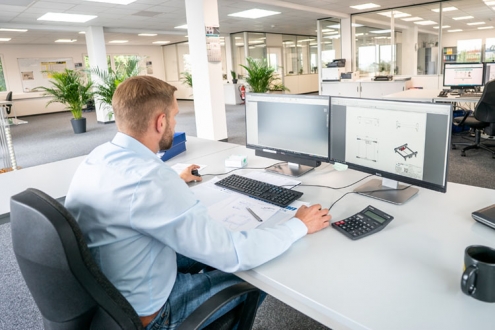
(385,191)
(290,169)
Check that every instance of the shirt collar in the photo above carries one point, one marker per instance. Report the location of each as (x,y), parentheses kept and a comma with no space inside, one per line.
(127,142)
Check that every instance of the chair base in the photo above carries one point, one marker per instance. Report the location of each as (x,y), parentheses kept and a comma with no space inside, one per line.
(476,145)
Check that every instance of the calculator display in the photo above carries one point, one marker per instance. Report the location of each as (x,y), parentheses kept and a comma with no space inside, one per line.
(374,216)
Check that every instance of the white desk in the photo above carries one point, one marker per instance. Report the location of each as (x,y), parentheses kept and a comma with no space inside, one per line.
(404,277)
(54,178)
(428,95)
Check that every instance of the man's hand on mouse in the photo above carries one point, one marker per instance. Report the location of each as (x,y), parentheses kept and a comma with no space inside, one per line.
(314,217)
(187,175)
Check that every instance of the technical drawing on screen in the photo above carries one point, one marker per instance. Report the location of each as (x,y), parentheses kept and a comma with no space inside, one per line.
(400,141)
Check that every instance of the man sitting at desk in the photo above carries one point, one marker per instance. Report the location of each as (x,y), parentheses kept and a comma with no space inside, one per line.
(145,228)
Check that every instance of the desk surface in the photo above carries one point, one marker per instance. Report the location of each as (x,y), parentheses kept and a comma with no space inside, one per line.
(428,95)
(54,178)
(404,277)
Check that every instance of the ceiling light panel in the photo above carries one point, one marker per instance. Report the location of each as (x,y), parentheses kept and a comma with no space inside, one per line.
(425,23)
(254,13)
(5,39)
(365,6)
(181,27)
(436,10)
(147,34)
(66,40)
(485,27)
(455,30)
(490,3)
(115,2)
(476,23)
(161,42)
(13,30)
(443,27)
(462,18)
(118,41)
(397,14)
(69,18)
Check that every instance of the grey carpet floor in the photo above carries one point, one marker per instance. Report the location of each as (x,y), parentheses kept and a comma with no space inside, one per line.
(48,138)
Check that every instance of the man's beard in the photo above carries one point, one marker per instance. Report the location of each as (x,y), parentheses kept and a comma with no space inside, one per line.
(166,140)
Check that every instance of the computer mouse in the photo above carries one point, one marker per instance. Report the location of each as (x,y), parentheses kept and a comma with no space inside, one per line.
(195,173)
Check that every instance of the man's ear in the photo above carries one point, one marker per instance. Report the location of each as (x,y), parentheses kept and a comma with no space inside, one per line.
(160,123)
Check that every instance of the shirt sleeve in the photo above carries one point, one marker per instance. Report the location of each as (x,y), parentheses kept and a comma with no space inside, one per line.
(164,208)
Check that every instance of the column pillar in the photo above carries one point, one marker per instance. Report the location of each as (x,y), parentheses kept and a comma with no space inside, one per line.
(347,42)
(95,43)
(209,103)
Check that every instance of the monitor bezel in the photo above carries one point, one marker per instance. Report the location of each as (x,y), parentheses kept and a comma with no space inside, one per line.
(286,155)
(485,64)
(464,86)
(393,176)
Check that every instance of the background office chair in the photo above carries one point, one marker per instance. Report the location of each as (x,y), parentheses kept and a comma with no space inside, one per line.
(68,287)
(9,99)
(483,118)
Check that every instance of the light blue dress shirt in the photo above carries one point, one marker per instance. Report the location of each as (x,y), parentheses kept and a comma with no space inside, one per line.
(136,213)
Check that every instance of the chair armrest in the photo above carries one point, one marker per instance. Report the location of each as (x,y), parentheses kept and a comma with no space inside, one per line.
(209,307)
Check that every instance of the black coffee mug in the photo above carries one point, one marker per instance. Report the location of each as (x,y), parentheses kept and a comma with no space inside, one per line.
(478,279)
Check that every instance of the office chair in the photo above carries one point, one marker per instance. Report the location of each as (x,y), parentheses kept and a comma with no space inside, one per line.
(9,99)
(483,118)
(67,285)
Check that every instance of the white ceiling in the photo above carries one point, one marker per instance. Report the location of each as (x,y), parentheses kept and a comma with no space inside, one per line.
(161,16)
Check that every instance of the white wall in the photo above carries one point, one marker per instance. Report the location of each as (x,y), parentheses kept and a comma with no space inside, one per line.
(450,39)
(35,105)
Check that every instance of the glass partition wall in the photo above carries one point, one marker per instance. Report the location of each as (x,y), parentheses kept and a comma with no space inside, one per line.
(418,40)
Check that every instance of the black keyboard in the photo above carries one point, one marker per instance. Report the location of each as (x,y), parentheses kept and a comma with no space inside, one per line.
(261,190)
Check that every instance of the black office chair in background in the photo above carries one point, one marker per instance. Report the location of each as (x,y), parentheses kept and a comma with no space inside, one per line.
(9,106)
(68,287)
(483,118)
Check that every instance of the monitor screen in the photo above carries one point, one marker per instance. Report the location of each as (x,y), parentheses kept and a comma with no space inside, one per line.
(397,140)
(463,75)
(489,71)
(291,128)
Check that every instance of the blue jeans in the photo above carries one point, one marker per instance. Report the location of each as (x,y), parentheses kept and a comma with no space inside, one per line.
(190,290)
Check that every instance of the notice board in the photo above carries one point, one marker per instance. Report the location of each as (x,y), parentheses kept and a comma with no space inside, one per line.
(35,72)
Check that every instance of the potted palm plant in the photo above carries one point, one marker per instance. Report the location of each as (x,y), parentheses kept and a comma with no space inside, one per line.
(234,76)
(70,89)
(262,77)
(110,79)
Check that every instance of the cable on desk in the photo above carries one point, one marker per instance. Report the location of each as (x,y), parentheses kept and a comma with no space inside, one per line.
(335,188)
(242,168)
(370,191)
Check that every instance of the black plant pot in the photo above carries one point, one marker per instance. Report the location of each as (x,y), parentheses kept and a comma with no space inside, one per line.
(234,81)
(78,125)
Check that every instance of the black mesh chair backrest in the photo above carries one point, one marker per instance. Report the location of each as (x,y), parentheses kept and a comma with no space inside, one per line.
(65,282)
(485,108)
(9,98)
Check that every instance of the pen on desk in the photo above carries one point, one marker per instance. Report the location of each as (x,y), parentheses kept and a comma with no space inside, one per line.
(254,214)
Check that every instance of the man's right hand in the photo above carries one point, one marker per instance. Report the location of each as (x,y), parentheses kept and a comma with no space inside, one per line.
(314,217)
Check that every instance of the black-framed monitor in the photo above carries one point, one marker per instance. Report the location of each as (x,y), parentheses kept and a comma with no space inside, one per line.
(396,140)
(489,71)
(463,75)
(290,128)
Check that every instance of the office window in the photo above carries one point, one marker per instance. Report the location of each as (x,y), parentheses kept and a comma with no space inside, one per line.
(330,41)
(87,65)
(3,83)
(409,46)
(300,57)
(238,52)
(490,50)
(469,50)
(256,45)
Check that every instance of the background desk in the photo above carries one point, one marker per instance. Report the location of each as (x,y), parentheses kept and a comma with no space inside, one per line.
(428,95)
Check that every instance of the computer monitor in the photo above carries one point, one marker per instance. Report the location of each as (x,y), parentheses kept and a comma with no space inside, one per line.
(396,140)
(463,75)
(489,71)
(290,128)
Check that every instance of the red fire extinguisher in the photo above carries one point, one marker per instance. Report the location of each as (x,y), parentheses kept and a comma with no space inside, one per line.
(242,90)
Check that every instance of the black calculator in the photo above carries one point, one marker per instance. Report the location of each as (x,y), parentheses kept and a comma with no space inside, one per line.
(364,223)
